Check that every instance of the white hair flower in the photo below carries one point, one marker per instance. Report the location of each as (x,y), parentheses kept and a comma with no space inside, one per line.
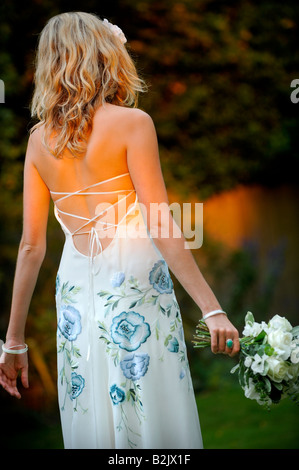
(116,31)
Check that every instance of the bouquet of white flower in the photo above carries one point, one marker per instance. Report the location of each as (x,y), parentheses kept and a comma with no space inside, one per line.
(268,366)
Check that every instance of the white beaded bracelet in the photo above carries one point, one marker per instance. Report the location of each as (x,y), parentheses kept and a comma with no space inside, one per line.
(15,351)
(214,312)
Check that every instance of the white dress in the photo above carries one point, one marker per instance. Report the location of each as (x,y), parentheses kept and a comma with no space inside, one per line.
(123,373)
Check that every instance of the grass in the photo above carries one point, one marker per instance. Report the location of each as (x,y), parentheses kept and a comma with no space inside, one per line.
(231,421)
(228,421)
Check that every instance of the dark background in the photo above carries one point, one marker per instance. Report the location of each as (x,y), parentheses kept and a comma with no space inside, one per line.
(219,76)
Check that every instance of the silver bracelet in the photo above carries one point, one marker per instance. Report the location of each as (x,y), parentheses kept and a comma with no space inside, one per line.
(214,312)
(15,351)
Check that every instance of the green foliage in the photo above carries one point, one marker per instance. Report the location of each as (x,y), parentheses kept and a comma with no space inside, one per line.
(219,77)
(220,89)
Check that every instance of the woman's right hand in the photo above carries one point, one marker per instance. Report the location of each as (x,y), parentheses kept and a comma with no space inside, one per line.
(10,366)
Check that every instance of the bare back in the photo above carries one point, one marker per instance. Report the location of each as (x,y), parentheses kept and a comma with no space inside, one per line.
(83,188)
(105,156)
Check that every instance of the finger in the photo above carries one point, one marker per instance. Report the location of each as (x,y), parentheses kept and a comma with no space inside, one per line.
(14,392)
(236,345)
(24,377)
(221,340)
(13,389)
(214,342)
(229,342)
(10,387)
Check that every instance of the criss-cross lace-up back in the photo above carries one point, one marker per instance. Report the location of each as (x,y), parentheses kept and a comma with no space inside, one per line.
(102,219)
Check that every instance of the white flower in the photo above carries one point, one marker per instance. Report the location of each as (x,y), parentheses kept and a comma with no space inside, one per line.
(248,361)
(293,372)
(116,31)
(277,369)
(294,353)
(259,364)
(279,323)
(250,391)
(281,341)
(254,329)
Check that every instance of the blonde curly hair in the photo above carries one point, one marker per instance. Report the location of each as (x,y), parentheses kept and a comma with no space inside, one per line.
(80,65)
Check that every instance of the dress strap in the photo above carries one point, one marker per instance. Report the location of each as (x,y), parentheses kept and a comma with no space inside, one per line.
(79,191)
(93,219)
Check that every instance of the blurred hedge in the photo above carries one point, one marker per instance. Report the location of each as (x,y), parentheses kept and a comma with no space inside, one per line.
(219,76)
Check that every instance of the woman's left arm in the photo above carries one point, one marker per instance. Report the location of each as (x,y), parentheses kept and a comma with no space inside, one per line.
(145,170)
(31,253)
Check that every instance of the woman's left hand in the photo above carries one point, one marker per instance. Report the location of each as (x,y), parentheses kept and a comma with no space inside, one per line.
(221,330)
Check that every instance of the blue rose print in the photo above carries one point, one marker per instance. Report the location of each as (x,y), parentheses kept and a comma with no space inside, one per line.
(135,365)
(129,330)
(77,383)
(117,394)
(117,279)
(173,345)
(160,279)
(69,322)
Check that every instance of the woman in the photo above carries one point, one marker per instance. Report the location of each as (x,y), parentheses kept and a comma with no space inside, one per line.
(123,375)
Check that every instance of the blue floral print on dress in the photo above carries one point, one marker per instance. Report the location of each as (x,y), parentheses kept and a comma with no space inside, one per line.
(173,345)
(160,283)
(68,329)
(135,365)
(117,279)
(77,383)
(160,279)
(69,322)
(129,330)
(117,394)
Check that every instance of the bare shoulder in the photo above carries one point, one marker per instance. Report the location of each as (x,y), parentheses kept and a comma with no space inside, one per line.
(35,147)
(127,117)
(138,117)
(139,124)
(35,136)
(34,139)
